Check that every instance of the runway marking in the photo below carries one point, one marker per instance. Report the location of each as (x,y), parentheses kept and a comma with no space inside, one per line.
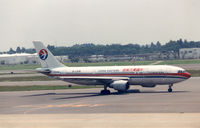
(73,105)
(38,107)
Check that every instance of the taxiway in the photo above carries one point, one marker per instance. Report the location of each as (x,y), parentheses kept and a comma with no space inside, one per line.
(184,99)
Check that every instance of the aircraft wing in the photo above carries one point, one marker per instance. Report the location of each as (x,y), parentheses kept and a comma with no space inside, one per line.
(92,78)
(87,78)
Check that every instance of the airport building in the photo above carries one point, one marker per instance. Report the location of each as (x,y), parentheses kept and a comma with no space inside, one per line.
(25,58)
(189,53)
(19,58)
(96,58)
(63,59)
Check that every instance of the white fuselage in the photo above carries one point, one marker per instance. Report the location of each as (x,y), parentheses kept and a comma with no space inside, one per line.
(147,76)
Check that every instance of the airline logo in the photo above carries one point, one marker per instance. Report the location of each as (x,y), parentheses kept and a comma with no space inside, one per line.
(43,54)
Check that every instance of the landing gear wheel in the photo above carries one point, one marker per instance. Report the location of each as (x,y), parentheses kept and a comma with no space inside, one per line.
(170,88)
(105,92)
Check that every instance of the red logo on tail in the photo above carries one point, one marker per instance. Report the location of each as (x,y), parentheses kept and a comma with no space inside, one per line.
(43,54)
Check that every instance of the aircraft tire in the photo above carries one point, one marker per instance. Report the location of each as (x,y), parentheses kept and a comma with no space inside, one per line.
(105,92)
(169,90)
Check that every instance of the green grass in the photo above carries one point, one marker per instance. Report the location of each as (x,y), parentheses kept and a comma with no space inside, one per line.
(194,73)
(32,66)
(19,66)
(36,87)
(168,62)
(109,63)
(32,78)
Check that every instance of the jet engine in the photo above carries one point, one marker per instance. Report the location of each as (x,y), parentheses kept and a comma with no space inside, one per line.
(120,85)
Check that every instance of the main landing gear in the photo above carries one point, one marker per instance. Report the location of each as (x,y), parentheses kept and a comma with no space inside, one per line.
(170,88)
(105,91)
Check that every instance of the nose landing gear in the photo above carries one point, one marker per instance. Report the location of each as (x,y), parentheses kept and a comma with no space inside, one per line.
(170,88)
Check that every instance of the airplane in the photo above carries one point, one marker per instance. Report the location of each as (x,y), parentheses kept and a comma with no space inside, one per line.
(119,78)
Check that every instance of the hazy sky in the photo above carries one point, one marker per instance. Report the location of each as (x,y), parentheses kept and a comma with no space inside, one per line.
(68,22)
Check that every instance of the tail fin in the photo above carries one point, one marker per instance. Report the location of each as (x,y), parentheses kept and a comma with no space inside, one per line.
(46,58)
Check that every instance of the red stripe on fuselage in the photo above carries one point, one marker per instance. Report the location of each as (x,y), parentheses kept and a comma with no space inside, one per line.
(188,75)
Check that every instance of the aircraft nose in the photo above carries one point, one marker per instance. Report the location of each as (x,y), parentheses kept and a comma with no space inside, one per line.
(188,75)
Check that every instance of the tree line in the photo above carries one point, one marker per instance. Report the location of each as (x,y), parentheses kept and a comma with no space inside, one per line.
(82,50)
(19,50)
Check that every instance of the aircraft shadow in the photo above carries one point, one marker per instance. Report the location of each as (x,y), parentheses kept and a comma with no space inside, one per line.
(92,94)
(115,93)
(163,92)
(48,94)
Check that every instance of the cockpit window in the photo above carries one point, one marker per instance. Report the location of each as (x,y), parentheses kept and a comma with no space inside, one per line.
(181,71)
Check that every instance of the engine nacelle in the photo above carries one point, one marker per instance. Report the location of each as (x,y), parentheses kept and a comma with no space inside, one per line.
(148,85)
(120,85)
